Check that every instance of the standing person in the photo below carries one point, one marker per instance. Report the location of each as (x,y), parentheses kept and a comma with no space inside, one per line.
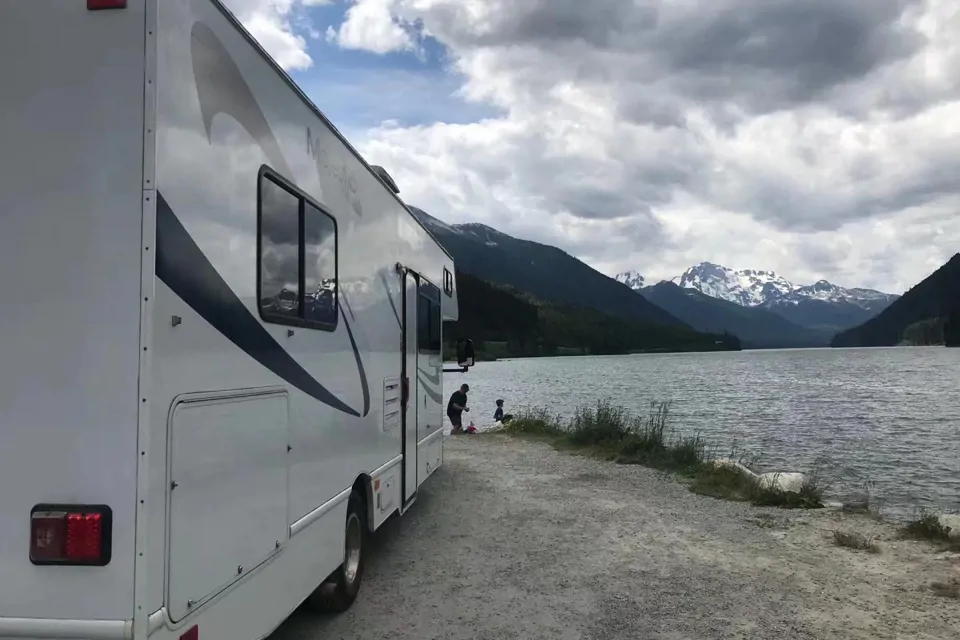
(456,407)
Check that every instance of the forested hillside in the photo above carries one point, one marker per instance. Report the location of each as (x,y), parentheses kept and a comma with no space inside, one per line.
(951,330)
(540,270)
(505,322)
(920,313)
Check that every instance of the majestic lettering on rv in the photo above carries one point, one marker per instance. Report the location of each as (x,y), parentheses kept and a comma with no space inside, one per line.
(339,172)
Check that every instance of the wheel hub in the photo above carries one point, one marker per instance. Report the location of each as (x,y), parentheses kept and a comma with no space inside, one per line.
(351,558)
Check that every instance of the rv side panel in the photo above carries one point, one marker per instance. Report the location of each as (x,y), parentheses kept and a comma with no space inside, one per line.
(71,112)
(277,249)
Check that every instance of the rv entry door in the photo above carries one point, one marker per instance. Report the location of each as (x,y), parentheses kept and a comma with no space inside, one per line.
(411,391)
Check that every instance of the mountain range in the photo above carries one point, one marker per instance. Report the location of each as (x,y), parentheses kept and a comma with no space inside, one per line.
(821,305)
(761,308)
(540,270)
(757,327)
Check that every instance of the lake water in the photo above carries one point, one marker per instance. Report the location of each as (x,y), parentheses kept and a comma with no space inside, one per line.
(888,416)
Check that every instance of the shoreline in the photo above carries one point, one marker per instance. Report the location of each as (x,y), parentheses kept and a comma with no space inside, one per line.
(609,432)
(936,535)
(825,347)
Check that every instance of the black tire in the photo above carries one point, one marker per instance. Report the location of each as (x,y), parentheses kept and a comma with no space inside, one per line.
(341,587)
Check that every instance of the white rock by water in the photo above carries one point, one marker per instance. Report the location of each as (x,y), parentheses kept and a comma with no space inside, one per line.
(782,481)
(953,521)
(725,462)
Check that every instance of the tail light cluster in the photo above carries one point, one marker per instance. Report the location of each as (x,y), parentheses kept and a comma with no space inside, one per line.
(71,534)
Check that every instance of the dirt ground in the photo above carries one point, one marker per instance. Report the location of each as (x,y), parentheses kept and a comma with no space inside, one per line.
(511,539)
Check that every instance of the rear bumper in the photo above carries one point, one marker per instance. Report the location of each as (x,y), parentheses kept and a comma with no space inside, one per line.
(48,629)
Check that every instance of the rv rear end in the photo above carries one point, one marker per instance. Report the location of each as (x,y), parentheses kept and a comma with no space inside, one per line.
(72,249)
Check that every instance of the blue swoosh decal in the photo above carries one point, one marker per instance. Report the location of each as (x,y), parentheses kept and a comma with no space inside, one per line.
(356,355)
(183,267)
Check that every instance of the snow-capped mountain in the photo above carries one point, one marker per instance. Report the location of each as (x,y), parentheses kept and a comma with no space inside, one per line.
(630,278)
(827,292)
(751,288)
(746,287)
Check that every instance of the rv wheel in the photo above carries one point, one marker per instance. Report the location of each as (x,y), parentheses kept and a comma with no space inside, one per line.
(340,589)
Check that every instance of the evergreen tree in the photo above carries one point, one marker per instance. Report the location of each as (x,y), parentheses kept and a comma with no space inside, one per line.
(951,330)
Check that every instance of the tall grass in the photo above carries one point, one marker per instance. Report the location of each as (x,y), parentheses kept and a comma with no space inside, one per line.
(927,526)
(854,540)
(611,432)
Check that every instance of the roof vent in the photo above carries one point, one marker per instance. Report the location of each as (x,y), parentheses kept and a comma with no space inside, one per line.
(380,171)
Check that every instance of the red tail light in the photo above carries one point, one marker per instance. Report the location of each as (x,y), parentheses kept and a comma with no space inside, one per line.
(193,633)
(94,5)
(70,534)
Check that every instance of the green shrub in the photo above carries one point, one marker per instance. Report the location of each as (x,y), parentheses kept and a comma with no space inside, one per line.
(612,432)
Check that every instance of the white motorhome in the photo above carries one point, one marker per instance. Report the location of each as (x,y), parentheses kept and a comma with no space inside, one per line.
(221,333)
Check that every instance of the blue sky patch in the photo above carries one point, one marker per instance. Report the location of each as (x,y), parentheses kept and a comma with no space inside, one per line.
(360,89)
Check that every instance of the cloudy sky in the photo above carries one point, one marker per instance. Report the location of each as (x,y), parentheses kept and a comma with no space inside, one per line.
(817,138)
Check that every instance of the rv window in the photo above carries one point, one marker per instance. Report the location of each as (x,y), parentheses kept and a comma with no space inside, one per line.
(428,325)
(447,282)
(297,259)
(319,266)
(279,251)
(423,323)
(436,322)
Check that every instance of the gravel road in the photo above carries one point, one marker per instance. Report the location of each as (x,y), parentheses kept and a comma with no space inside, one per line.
(511,539)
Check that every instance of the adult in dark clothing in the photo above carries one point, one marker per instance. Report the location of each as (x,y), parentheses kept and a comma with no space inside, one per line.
(456,406)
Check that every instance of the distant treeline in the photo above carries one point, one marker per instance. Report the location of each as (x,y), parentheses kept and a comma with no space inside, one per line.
(951,329)
(504,322)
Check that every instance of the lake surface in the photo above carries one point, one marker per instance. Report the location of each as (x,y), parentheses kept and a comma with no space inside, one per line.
(886,416)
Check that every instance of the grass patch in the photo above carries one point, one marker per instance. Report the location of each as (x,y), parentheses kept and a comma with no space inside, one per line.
(949,589)
(613,433)
(724,482)
(866,504)
(533,422)
(731,483)
(853,540)
(927,526)
(810,496)
(765,520)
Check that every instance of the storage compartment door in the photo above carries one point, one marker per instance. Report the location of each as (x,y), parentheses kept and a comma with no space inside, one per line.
(228,491)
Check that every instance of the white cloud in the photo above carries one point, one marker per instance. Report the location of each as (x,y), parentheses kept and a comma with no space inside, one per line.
(369,25)
(819,138)
(277,25)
